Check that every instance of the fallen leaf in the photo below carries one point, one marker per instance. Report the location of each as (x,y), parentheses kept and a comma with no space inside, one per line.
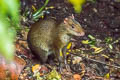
(53,75)
(85,41)
(96,49)
(11,69)
(77,77)
(107,76)
(36,68)
(76,60)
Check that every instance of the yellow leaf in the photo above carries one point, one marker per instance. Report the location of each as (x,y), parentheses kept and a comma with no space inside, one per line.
(33,7)
(105,56)
(51,7)
(97,50)
(77,4)
(69,45)
(107,75)
(85,41)
(42,17)
(111,59)
(61,53)
(36,68)
(67,53)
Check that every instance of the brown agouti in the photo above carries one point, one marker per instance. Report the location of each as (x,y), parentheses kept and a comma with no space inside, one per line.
(48,37)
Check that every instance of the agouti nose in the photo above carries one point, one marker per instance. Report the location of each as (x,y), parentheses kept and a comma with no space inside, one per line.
(81,34)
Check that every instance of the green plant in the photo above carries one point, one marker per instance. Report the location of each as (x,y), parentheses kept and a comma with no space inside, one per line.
(39,13)
(9,23)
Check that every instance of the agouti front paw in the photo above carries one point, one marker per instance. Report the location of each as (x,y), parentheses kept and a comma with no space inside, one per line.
(61,68)
(67,67)
(64,67)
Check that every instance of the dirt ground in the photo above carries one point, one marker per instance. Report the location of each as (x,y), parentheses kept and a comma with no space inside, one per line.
(101,20)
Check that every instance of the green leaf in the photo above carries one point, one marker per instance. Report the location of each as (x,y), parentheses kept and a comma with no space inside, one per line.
(9,22)
(39,13)
(6,42)
(91,37)
(110,46)
(54,75)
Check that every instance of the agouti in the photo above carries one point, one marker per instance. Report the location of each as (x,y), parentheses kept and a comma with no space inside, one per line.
(49,37)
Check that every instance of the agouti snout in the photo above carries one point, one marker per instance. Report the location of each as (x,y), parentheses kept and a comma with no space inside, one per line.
(73,26)
(48,37)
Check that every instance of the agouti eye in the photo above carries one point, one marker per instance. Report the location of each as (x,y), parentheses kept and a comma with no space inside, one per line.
(72,26)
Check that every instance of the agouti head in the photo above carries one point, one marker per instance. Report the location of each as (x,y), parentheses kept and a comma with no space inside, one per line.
(73,27)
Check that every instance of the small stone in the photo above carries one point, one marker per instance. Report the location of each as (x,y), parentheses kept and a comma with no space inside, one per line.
(21,77)
(95,10)
(85,19)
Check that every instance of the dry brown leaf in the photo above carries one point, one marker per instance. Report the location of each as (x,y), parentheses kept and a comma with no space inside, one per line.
(11,70)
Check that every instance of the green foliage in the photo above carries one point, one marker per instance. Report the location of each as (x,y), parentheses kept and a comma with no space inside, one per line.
(9,21)
(39,13)
(53,75)
(77,4)
(108,39)
(90,42)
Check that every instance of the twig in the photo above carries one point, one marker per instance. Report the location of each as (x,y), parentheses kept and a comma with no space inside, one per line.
(98,61)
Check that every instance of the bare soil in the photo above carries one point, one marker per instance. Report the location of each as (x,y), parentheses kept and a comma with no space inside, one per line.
(100,19)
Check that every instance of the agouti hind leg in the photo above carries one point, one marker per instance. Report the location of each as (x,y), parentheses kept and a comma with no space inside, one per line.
(64,50)
(42,55)
(60,59)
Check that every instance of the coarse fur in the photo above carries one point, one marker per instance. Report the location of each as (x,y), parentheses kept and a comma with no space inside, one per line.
(47,37)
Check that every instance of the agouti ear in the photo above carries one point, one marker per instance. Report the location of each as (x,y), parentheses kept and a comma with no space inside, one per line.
(65,20)
(72,16)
